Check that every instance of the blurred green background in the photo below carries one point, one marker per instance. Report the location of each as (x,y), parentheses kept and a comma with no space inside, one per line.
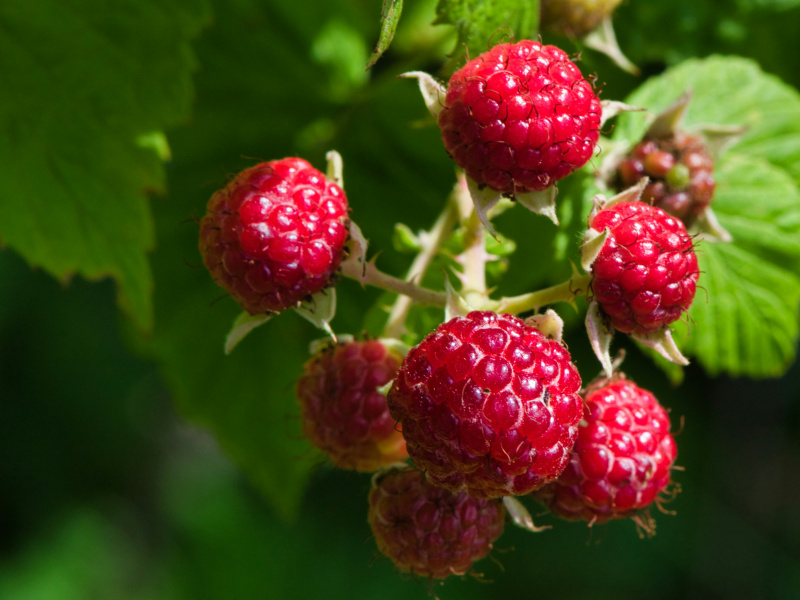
(111,485)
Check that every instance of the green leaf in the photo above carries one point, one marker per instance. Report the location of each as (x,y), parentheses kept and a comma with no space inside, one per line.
(482,24)
(777,5)
(341,49)
(727,91)
(749,323)
(500,246)
(390,17)
(86,90)
(746,320)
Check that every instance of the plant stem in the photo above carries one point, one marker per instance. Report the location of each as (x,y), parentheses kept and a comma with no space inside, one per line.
(474,257)
(566,291)
(431,241)
(369,274)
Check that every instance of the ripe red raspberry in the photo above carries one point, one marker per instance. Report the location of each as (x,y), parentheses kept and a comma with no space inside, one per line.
(575,18)
(343,413)
(622,459)
(430,531)
(680,169)
(520,117)
(488,404)
(275,234)
(646,274)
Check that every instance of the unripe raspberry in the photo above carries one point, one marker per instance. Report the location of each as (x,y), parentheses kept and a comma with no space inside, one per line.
(275,234)
(622,459)
(646,274)
(520,117)
(680,169)
(430,531)
(574,18)
(488,404)
(343,412)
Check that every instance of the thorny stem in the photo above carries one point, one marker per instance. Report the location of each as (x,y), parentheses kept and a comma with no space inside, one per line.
(369,274)
(566,291)
(430,241)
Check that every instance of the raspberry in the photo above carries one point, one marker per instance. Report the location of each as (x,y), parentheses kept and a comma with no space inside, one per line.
(520,117)
(622,459)
(646,274)
(343,413)
(275,234)
(574,18)
(680,169)
(488,404)
(430,531)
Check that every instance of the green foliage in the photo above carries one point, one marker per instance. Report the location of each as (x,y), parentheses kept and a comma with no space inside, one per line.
(247,399)
(92,91)
(482,24)
(85,94)
(747,323)
(390,17)
(727,91)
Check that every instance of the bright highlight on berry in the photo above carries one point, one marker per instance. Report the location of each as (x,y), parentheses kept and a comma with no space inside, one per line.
(520,117)
(275,234)
(489,405)
(621,461)
(343,412)
(427,530)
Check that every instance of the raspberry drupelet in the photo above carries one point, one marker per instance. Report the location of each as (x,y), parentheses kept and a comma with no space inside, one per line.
(343,413)
(427,530)
(275,234)
(622,459)
(488,404)
(646,274)
(520,117)
(680,169)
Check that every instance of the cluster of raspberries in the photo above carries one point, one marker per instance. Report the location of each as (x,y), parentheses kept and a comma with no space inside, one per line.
(487,405)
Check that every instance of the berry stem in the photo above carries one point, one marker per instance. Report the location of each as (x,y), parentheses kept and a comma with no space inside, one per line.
(474,256)
(566,291)
(431,241)
(369,274)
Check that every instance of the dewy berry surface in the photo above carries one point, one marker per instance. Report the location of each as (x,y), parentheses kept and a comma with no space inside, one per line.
(520,117)
(343,413)
(488,404)
(646,274)
(275,234)
(427,530)
(622,459)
